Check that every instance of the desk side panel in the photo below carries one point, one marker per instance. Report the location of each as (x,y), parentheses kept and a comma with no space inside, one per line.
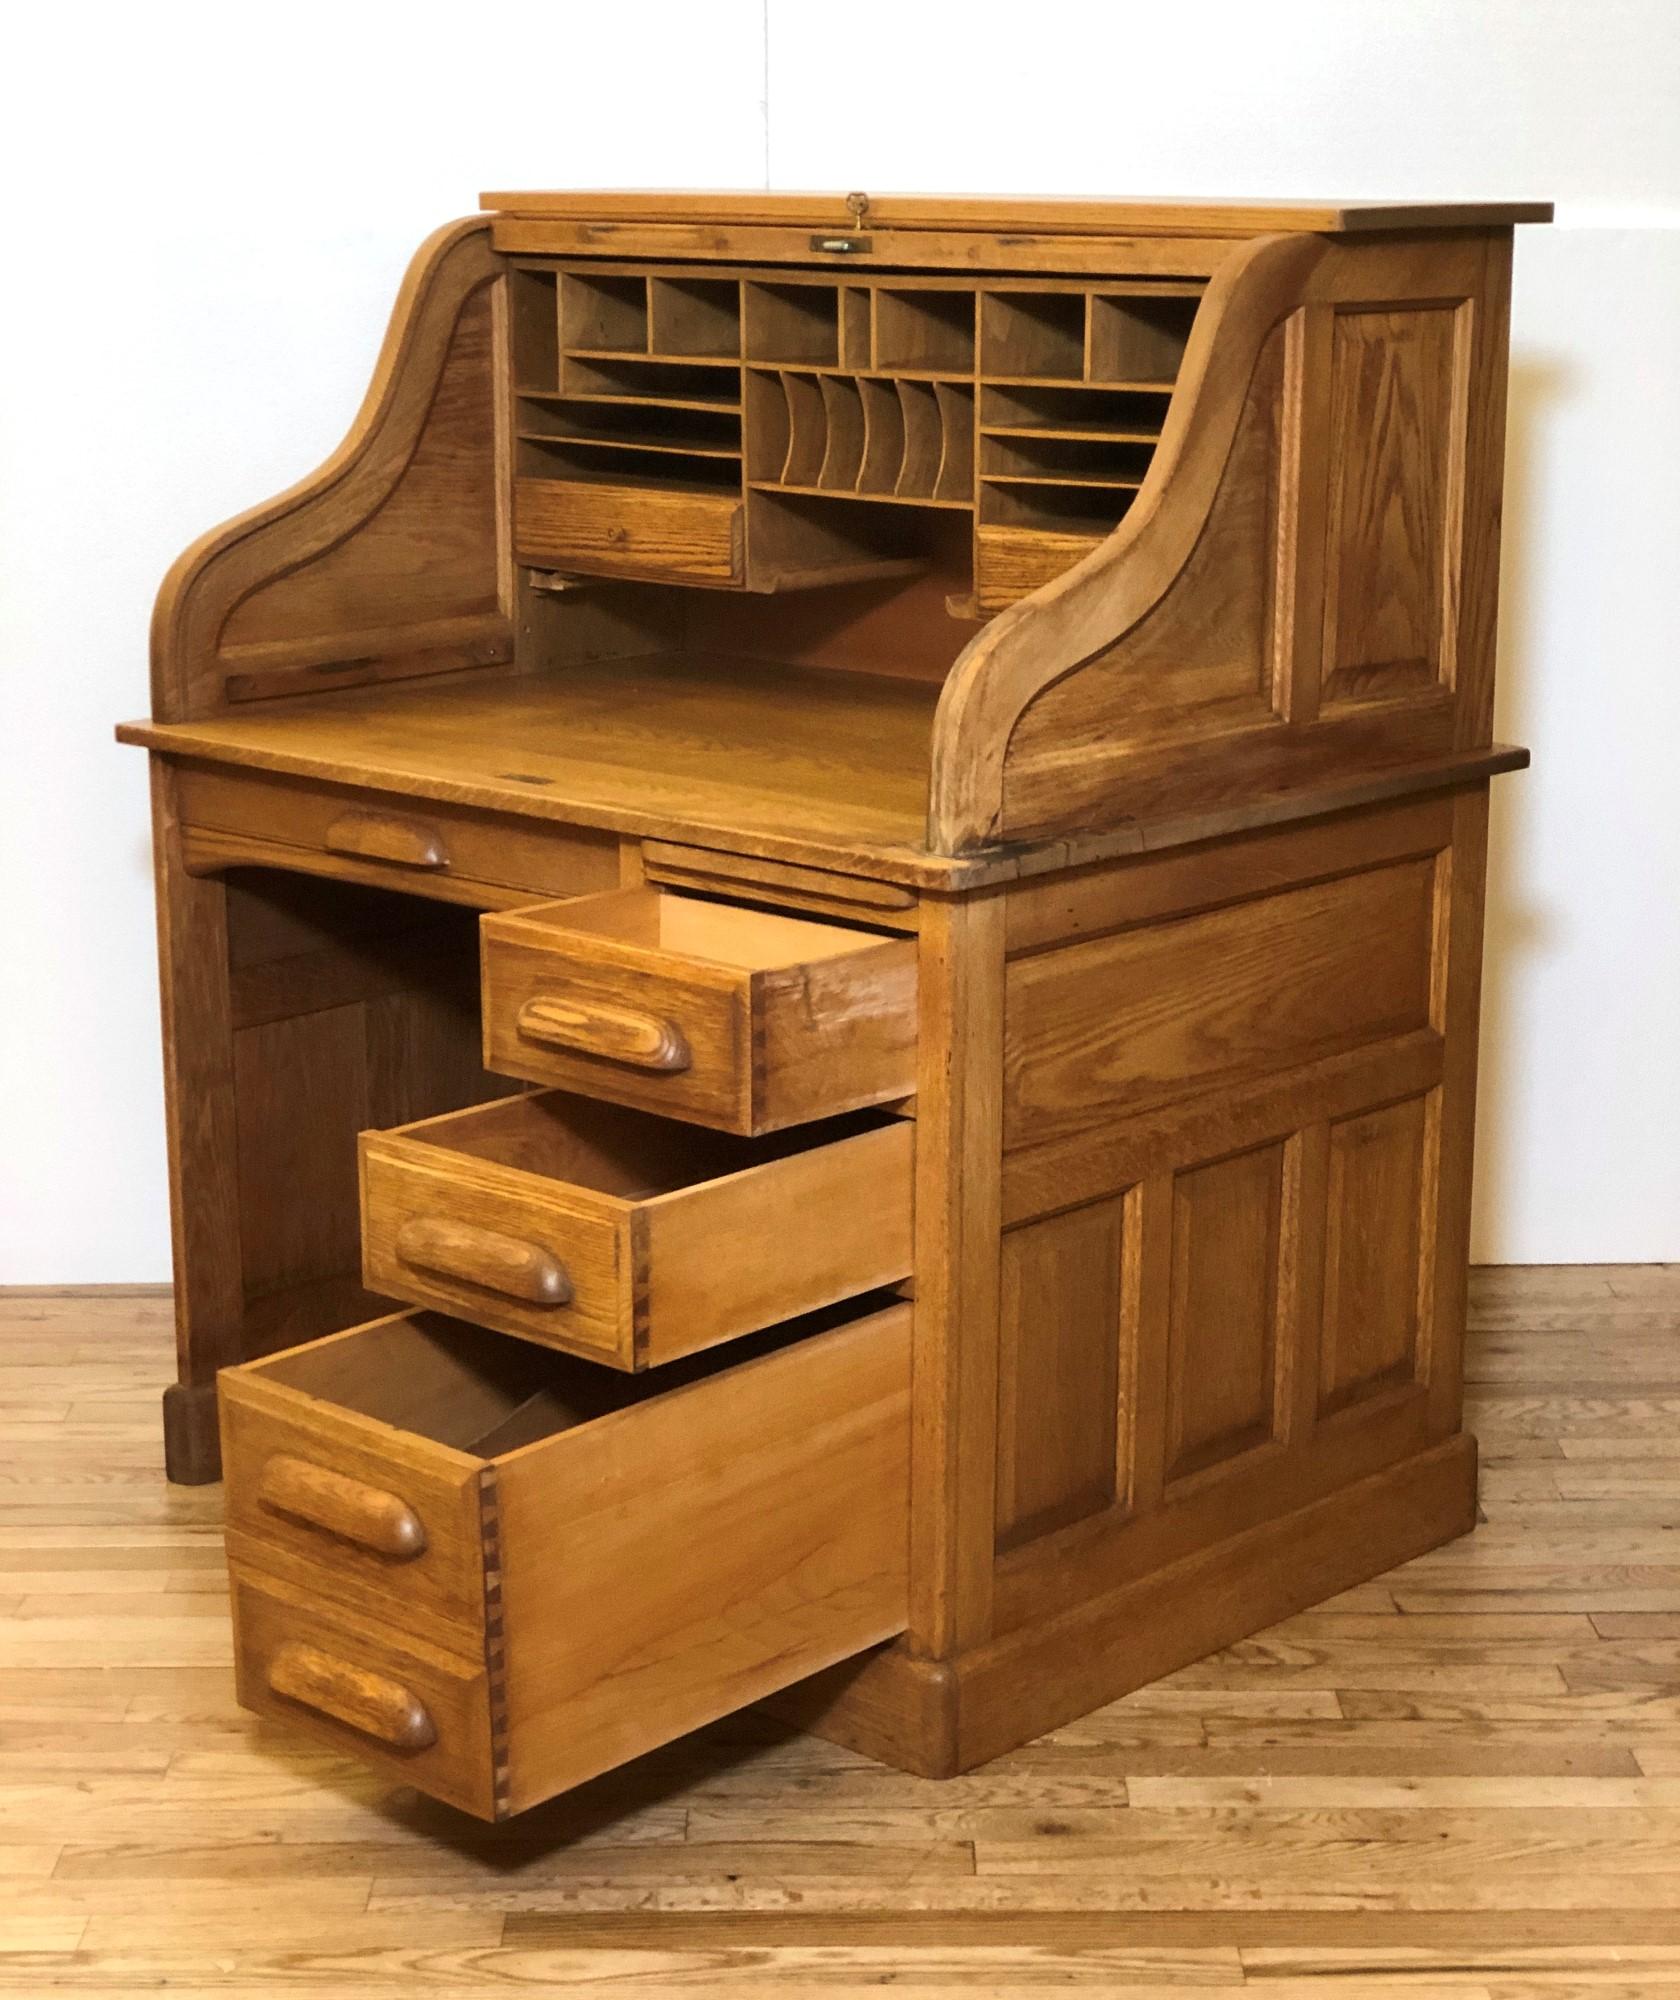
(1306,584)
(1233,1256)
(391,559)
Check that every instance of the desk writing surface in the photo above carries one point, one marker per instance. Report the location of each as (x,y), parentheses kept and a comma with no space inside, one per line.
(801,760)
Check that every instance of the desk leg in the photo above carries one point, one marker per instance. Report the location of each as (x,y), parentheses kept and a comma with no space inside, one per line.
(203,1167)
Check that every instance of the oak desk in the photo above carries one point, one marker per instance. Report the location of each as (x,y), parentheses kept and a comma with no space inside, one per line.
(843,846)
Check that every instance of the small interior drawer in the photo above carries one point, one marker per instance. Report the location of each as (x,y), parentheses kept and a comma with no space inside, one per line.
(646,1554)
(622,1236)
(742,1019)
(629,531)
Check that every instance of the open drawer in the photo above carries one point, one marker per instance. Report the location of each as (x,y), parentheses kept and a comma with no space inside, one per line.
(618,1235)
(494,1571)
(741,1019)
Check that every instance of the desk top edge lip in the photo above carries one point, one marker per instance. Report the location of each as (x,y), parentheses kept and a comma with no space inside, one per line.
(1071,215)
(919,868)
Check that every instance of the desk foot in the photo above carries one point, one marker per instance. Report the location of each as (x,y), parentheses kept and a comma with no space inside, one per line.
(192,1445)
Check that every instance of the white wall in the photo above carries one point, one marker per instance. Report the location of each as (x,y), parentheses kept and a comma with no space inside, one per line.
(209,214)
(1577,101)
(209,208)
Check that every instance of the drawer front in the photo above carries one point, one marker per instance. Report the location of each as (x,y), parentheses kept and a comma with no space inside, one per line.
(743,1020)
(1011,563)
(676,1043)
(416,1712)
(361,1513)
(525,1255)
(619,531)
(534,1241)
(421,845)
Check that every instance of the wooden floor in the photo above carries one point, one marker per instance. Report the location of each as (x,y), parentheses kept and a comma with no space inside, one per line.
(1463,1780)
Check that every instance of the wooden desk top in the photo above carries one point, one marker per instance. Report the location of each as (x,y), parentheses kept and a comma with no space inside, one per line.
(792,762)
(798,764)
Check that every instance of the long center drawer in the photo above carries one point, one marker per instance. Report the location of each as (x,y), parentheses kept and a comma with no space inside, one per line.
(494,1572)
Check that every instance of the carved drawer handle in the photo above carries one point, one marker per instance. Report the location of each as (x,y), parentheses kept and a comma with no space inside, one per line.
(384,837)
(506,1264)
(366,1515)
(366,1702)
(621,1034)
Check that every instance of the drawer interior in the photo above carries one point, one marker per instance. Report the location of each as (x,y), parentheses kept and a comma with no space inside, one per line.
(440,1379)
(692,927)
(631,1156)
(488,1394)
(742,1019)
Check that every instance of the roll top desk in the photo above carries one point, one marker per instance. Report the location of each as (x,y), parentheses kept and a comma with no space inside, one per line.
(820,910)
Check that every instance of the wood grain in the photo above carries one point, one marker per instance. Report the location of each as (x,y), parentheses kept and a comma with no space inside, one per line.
(200,1121)
(423,849)
(739,1019)
(654,1241)
(1395,451)
(719,1542)
(624,532)
(1424,1788)
(420,446)
(1314,528)
(1160,1012)
(1058,1383)
(944,212)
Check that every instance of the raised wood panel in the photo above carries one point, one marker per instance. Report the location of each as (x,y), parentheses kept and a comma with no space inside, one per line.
(426,848)
(1222,1325)
(1200,662)
(1396,451)
(1373,1241)
(1108,895)
(1117,1024)
(1058,1369)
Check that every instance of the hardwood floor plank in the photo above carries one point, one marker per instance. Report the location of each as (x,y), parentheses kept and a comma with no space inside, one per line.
(1462,1779)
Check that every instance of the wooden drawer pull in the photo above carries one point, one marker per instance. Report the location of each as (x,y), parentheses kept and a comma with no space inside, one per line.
(365,1515)
(386,837)
(597,1029)
(505,1264)
(366,1702)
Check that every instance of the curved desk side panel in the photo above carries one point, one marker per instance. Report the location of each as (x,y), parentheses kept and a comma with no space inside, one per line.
(390,558)
(1305,586)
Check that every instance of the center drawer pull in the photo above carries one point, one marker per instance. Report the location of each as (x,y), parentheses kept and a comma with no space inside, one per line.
(371,836)
(621,1034)
(506,1264)
(366,1702)
(366,1515)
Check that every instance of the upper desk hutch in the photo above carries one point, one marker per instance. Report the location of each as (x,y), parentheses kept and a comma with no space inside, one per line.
(820,914)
